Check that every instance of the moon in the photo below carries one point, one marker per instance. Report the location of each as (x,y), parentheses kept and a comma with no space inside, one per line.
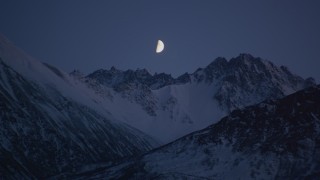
(160,46)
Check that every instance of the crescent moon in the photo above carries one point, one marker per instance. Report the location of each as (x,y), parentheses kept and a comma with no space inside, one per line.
(160,46)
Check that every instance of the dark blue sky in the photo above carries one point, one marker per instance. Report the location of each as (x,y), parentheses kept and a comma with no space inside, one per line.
(90,35)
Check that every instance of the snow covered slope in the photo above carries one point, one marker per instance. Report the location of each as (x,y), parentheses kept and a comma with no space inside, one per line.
(275,139)
(51,124)
(168,108)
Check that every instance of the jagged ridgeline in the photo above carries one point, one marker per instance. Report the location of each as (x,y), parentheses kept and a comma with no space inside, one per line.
(195,100)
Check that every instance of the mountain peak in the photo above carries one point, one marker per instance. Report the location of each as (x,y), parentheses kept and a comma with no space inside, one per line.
(246,56)
(246,76)
(219,61)
(112,68)
(246,59)
(142,72)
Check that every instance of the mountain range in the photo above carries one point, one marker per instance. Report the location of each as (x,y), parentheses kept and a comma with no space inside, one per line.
(177,106)
(56,124)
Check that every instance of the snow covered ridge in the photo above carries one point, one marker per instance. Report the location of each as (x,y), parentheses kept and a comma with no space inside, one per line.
(275,139)
(193,101)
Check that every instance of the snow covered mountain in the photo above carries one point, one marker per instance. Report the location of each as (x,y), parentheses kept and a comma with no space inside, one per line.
(275,139)
(167,108)
(50,123)
(54,123)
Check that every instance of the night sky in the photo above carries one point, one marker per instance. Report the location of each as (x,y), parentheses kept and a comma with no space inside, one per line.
(94,34)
